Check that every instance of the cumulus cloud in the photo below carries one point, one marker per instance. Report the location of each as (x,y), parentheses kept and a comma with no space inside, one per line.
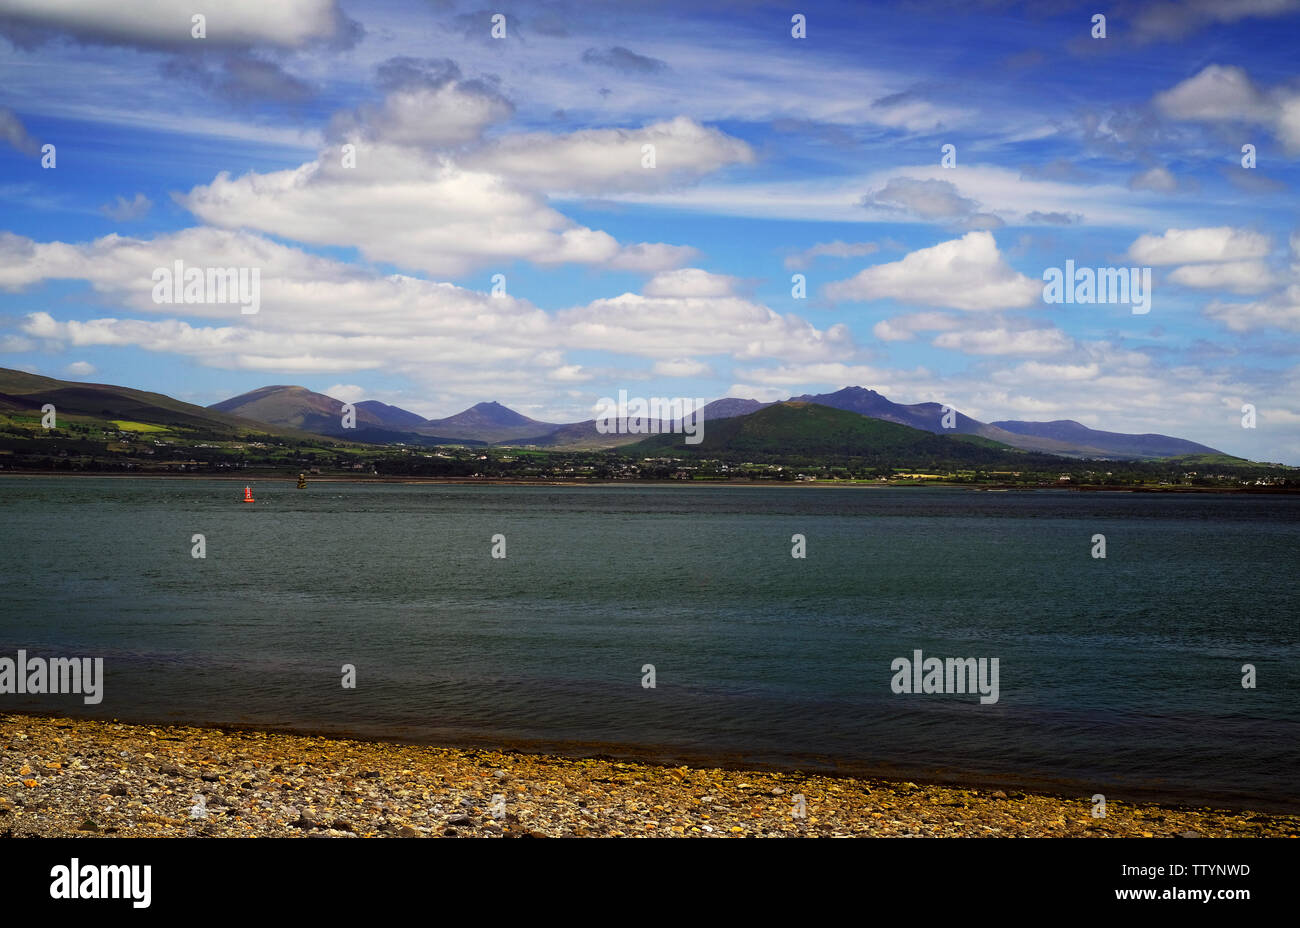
(427,105)
(930,199)
(1235,276)
(167,23)
(1158,179)
(689,282)
(967,273)
(124,210)
(690,317)
(424,191)
(321,315)
(1225,94)
(1004,341)
(347,392)
(1188,246)
(79,369)
(599,161)
(682,367)
(415,211)
(1279,311)
(905,328)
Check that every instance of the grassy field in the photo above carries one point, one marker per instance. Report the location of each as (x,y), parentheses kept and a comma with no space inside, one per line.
(127,426)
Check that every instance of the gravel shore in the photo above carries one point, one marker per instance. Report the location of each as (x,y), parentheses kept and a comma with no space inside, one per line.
(62,777)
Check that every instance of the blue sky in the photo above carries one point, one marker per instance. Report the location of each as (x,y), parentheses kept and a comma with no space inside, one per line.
(523,156)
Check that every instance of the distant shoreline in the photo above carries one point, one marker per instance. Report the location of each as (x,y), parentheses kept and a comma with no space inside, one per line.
(288,477)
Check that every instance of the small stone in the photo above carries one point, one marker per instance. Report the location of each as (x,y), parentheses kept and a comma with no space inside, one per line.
(406,831)
(1189,834)
(460,821)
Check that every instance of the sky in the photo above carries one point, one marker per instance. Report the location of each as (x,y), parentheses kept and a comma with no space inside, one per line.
(677,199)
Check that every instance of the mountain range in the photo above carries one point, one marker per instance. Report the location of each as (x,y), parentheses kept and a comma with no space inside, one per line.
(492,423)
(26,394)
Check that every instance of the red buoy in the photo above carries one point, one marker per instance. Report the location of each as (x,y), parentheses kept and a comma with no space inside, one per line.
(248,495)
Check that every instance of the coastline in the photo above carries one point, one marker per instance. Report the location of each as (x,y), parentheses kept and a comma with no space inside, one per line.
(85,777)
(780,484)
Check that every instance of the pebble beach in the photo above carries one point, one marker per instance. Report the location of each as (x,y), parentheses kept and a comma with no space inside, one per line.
(73,777)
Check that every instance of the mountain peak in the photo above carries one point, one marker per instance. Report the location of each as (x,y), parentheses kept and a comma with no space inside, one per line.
(489,420)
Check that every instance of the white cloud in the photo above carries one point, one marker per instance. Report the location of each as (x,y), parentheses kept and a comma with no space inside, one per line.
(156,23)
(79,369)
(416,211)
(835,249)
(967,273)
(423,116)
(904,328)
(1226,94)
(688,282)
(1279,311)
(1186,246)
(124,210)
(930,200)
(416,200)
(321,315)
(15,344)
(347,392)
(1002,341)
(1157,179)
(1236,276)
(600,161)
(682,367)
(1215,93)
(838,199)
(682,324)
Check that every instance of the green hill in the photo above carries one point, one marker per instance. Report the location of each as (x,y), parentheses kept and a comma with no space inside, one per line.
(795,431)
(22,395)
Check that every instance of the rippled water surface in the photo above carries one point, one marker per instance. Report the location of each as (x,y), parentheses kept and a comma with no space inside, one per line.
(1116,676)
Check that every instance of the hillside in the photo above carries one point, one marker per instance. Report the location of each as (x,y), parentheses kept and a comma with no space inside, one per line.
(488,422)
(21,392)
(299,408)
(1148,445)
(798,431)
(1063,437)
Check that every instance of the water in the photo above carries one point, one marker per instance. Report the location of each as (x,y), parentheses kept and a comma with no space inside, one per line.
(1120,676)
